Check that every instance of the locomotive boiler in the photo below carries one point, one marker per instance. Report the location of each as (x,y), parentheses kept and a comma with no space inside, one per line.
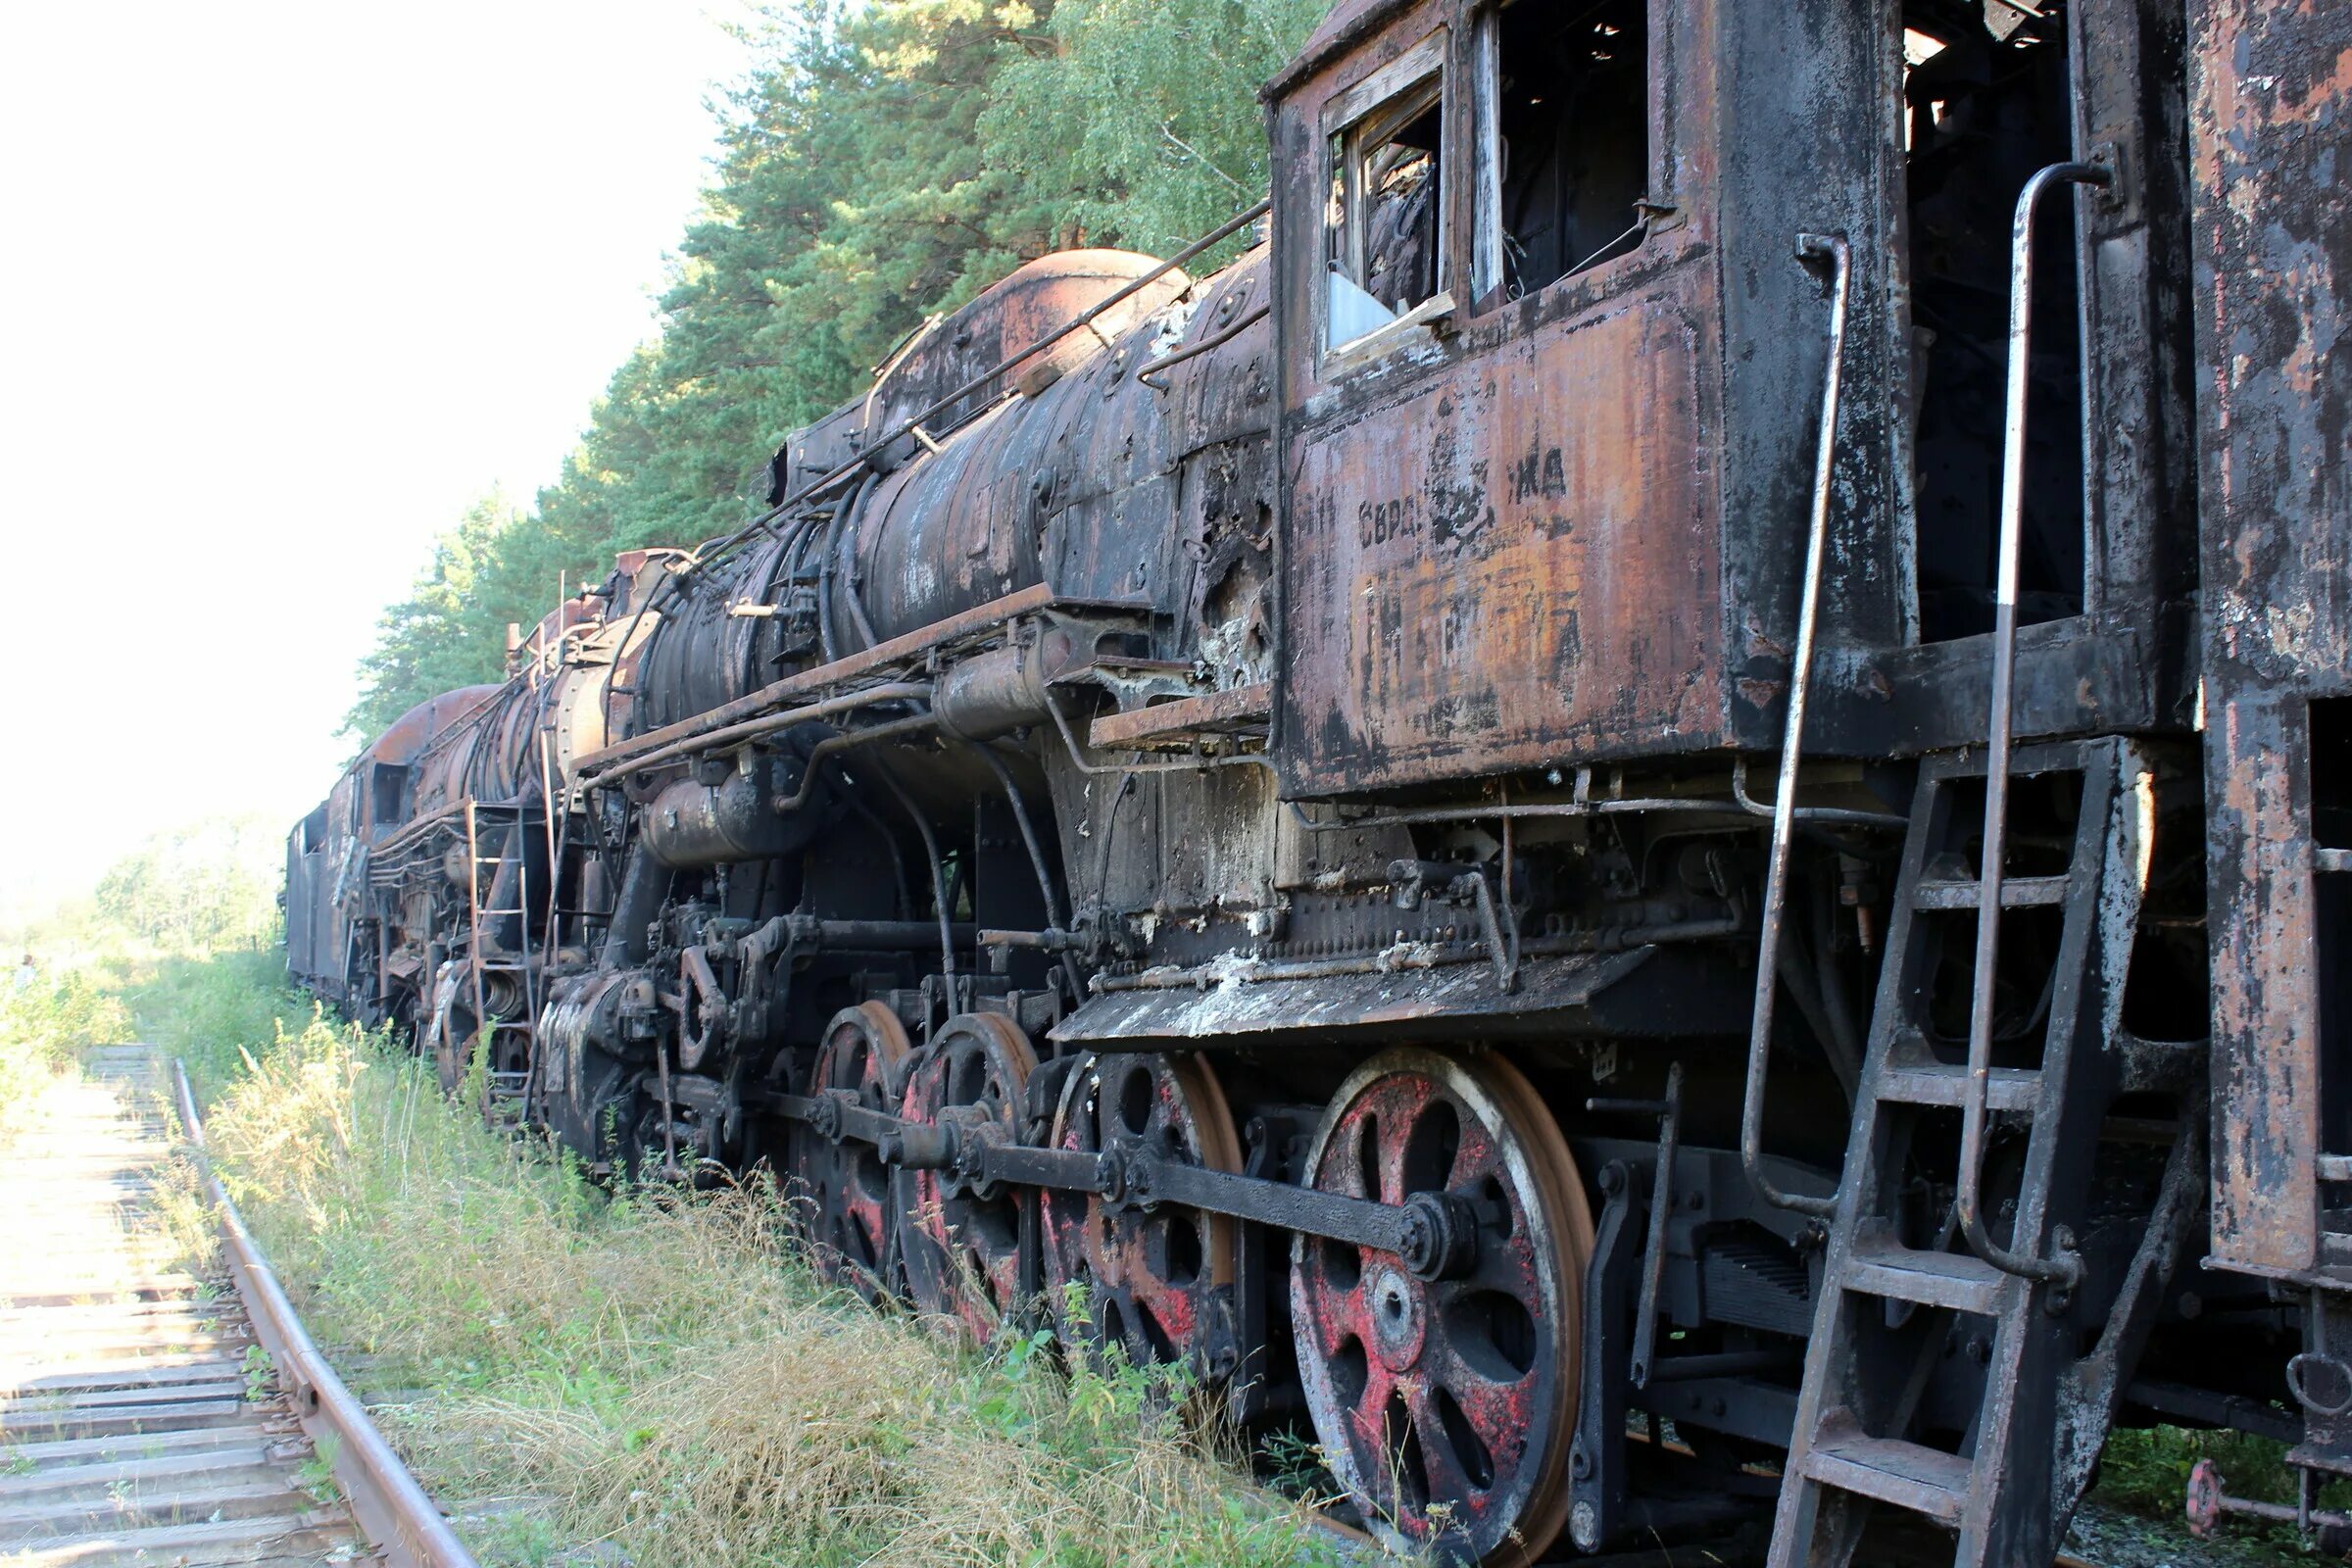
(1648,824)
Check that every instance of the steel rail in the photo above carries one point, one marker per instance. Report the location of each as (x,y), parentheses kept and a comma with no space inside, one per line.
(385,1499)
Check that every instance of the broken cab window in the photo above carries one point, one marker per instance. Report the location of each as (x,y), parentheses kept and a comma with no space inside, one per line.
(1563,155)
(1384,227)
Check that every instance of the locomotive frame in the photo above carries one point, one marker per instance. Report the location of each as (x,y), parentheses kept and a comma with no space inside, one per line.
(1229,816)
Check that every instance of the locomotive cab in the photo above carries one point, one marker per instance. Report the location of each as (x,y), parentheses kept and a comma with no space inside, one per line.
(1556,241)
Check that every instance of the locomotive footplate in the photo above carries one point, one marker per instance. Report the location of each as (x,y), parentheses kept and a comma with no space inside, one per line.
(1435,1233)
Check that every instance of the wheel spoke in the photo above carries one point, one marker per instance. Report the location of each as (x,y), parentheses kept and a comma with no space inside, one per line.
(1452,1478)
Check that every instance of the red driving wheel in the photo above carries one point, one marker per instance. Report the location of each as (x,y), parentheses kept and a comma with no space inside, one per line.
(1447,1406)
(1154,1283)
(850,1219)
(962,1241)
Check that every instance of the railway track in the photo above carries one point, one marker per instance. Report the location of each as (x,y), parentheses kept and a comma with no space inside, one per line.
(151,1416)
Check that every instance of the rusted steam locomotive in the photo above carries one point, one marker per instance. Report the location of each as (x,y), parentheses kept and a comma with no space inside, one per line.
(1653,822)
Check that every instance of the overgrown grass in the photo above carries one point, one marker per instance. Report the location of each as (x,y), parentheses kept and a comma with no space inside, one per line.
(42,1025)
(220,1012)
(663,1373)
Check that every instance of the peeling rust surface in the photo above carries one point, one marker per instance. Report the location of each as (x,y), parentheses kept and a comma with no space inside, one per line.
(964,1246)
(2271,149)
(851,1218)
(1532,568)
(1446,1402)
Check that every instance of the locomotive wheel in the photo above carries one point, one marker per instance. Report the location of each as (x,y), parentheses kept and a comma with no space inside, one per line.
(851,1221)
(1447,1408)
(450,1036)
(1155,1283)
(962,1244)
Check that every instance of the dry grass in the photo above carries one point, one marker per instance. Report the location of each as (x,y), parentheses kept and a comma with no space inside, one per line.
(661,1380)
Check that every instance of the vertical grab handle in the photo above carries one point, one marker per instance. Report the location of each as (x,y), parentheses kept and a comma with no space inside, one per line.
(2063,1268)
(1813,248)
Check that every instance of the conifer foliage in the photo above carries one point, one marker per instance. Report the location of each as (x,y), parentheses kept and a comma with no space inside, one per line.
(880,161)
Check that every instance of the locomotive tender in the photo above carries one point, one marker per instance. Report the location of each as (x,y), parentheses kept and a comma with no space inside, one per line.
(1653,822)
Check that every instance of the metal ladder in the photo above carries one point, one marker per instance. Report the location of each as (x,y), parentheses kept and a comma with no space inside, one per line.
(503,1094)
(1888,1307)
(1891,1303)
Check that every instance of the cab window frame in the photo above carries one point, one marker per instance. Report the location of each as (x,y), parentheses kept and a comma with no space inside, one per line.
(1418,81)
(1484,162)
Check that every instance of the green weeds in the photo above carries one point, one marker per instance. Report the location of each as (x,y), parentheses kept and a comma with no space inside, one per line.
(2146,1472)
(661,1373)
(43,1023)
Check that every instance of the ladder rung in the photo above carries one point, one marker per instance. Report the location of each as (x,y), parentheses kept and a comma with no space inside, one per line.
(2326,859)
(1908,1475)
(1960,1281)
(2017,891)
(1941,1083)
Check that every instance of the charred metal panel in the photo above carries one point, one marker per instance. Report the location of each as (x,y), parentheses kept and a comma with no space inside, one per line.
(1562,524)
(1456,1002)
(1789,131)
(947,352)
(2271,140)
(1530,571)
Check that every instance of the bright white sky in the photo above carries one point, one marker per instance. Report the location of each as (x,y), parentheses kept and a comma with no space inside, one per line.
(285,286)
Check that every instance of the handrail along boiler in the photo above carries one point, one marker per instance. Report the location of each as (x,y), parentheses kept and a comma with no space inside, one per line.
(1652,823)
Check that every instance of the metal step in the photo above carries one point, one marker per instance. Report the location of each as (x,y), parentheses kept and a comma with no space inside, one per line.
(1925,1081)
(1909,1475)
(1962,893)
(1880,1265)
(2333,860)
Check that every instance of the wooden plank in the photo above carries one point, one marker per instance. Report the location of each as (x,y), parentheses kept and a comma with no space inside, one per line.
(1213,711)
(190,1500)
(118,1419)
(139,1445)
(166,1367)
(309,1534)
(226,1461)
